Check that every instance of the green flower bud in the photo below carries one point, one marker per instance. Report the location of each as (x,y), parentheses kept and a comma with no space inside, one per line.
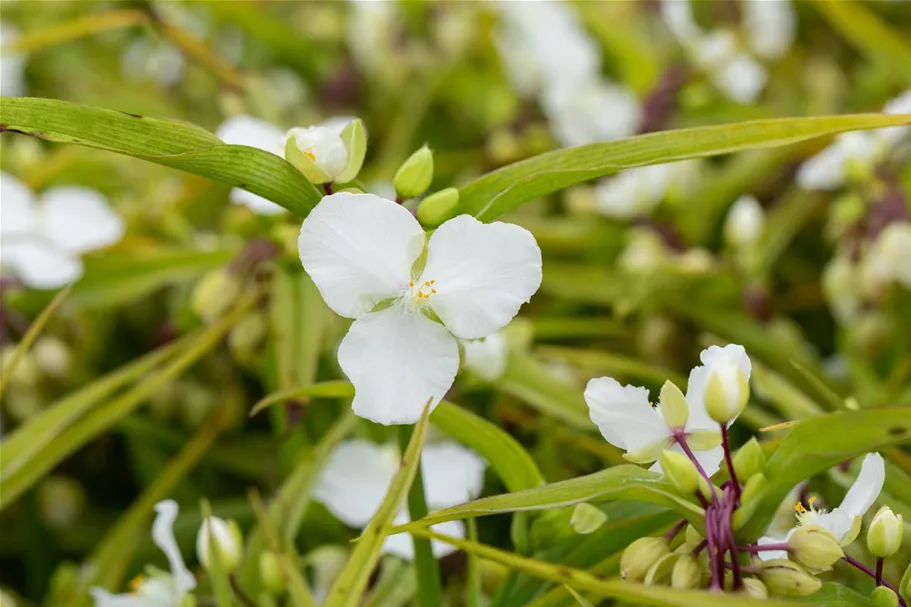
(755,588)
(639,557)
(415,175)
(586,519)
(815,548)
(270,573)
(905,585)
(884,537)
(726,393)
(225,537)
(749,459)
(26,374)
(680,471)
(660,572)
(692,538)
(246,337)
(354,138)
(883,597)
(214,294)
(752,486)
(673,405)
(52,356)
(7,600)
(686,573)
(438,207)
(61,501)
(787,578)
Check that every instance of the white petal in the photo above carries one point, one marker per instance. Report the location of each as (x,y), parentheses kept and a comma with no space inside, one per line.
(255,202)
(253,132)
(623,414)
(866,488)
(397,359)
(741,78)
(770,26)
(824,171)
(359,249)
(713,357)
(768,555)
(899,105)
(41,266)
(452,474)
(79,219)
(678,16)
(483,274)
(337,124)
(163,536)
(12,80)
(103,598)
(590,110)
(17,207)
(486,357)
(323,145)
(744,223)
(835,522)
(402,546)
(355,479)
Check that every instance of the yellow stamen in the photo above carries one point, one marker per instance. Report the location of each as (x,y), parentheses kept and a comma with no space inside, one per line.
(310,155)
(812,500)
(411,284)
(433,290)
(135,583)
(799,509)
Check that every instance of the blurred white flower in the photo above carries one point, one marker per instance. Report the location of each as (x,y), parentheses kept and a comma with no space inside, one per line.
(844,521)
(628,421)
(370,31)
(744,223)
(637,191)
(12,79)
(590,110)
(769,26)
(841,286)
(643,253)
(360,250)
(43,236)
(486,357)
(159,589)
(734,72)
(889,259)
(357,475)
(149,58)
(225,537)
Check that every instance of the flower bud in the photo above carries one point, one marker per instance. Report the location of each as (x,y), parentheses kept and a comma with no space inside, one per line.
(726,393)
(316,151)
(415,175)
(755,588)
(214,294)
(749,460)
(26,374)
(883,597)
(787,578)
(884,537)
(673,405)
(438,207)
(246,337)
(52,356)
(61,500)
(639,557)
(225,537)
(692,537)
(686,573)
(660,571)
(270,573)
(680,471)
(745,222)
(354,138)
(815,548)
(586,519)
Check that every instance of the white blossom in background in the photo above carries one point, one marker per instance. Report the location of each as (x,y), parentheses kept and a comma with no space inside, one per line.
(628,421)
(44,236)
(12,79)
(590,110)
(159,589)
(148,58)
(744,223)
(854,153)
(644,252)
(841,284)
(768,32)
(360,250)
(844,521)
(637,191)
(889,259)
(358,473)
(370,31)
(486,357)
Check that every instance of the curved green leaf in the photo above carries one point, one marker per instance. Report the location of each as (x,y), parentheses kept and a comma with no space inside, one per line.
(835,595)
(168,142)
(502,190)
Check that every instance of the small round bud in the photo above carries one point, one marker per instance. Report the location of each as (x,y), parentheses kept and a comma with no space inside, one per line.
(247,336)
(61,500)
(787,578)
(883,597)
(639,557)
(415,175)
(52,356)
(26,374)
(438,207)
(755,588)
(884,537)
(225,537)
(686,573)
(815,548)
(726,393)
(674,408)
(749,459)
(270,573)
(680,471)
(586,519)
(214,294)
(692,538)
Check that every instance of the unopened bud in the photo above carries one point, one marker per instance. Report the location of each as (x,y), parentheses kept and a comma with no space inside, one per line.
(270,573)
(660,571)
(225,537)
(680,471)
(26,374)
(745,221)
(749,459)
(438,207)
(639,557)
(692,538)
(61,500)
(726,393)
(884,537)
(354,138)
(673,405)
(787,578)
(316,151)
(415,175)
(52,356)
(755,588)
(247,336)
(686,573)
(214,294)
(586,519)
(883,597)
(815,548)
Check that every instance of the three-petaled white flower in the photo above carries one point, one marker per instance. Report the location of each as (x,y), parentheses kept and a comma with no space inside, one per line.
(158,589)
(357,475)
(43,236)
(842,522)
(364,254)
(627,420)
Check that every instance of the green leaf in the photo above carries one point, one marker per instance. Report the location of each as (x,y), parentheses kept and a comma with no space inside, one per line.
(813,446)
(502,190)
(620,482)
(835,595)
(168,142)
(347,589)
(579,598)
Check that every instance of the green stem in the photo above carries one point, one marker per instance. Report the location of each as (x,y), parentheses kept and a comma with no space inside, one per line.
(473,578)
(430,586)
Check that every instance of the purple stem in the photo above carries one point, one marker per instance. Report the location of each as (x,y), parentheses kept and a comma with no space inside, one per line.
(328,187)
(854,562)
(673,531)
(754,548)
(879,571)
(680,437)
(726,444)
(716,582)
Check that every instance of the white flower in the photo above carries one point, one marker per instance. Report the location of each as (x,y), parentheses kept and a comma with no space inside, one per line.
(158,589)
(357,475)
(627,420)
(486,357)
(324,147)
(370,32)
(43,236)
(638,191)
(12,79)
(744,222)
(153,59)
(740,77)
(769,26)
(644,252)
(590,110)
(360,250)
(889,258)
(842,522)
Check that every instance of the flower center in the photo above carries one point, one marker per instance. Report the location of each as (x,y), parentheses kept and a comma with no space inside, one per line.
(807,516)
(309,154)
(136,583)
(420,293)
